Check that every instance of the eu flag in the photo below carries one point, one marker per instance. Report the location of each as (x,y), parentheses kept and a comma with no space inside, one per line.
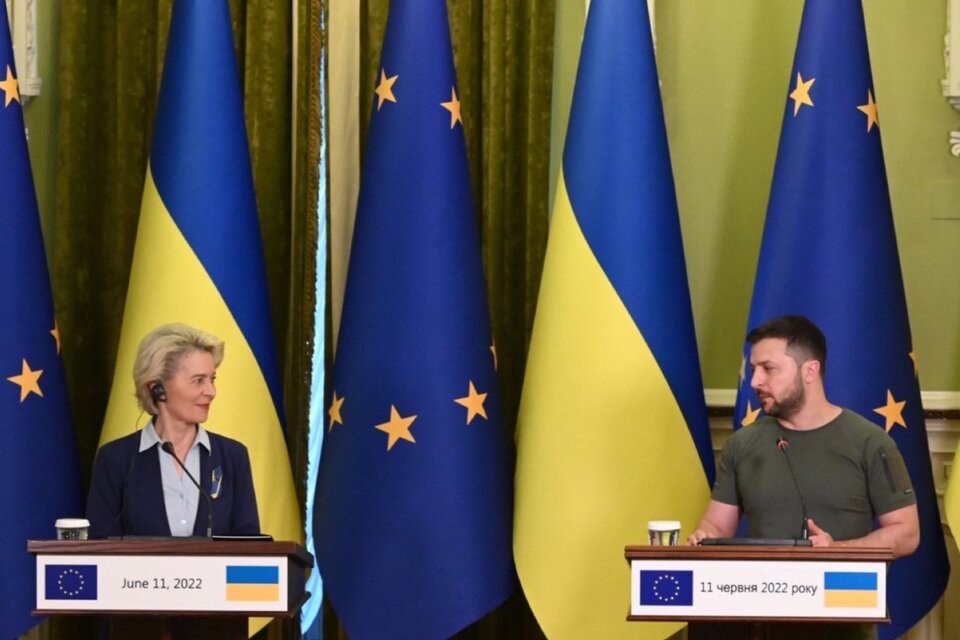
(414,498)
(666,588)
(38,457)
(70,581)
(829,252)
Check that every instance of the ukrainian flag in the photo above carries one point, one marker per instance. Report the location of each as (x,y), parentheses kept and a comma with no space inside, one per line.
(613,425)
(198,257)
(849,589)
(253,583)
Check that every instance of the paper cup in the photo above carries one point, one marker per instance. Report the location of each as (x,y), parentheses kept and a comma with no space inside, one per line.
(72,528)
(664,533)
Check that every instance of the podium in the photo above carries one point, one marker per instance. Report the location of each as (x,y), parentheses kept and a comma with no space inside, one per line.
(171,587)
(758,584)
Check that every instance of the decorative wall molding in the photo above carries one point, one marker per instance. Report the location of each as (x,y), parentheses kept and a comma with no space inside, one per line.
(23,31)
(933,401)
(951,62)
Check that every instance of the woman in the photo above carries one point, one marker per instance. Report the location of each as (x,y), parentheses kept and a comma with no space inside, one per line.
(138,487)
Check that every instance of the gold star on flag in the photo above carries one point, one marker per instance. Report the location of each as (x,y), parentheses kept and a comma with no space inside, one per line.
(55,332)
(751,417)
(384,90)
(10,88)
(397,428)
(743,368)
(473,401)
(916,363)
(871,110)
(28,381)
(493,350)
(892,412)
(334,410)
(801,94)
(453,107)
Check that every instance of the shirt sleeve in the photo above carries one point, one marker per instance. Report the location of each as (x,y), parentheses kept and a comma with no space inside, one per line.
(725,488)
(889,482)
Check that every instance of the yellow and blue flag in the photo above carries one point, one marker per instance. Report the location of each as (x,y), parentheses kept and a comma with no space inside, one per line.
(39,455)
(850,589)
(414,496)
(198,257)
(829,252)
(613,426)
(252,583)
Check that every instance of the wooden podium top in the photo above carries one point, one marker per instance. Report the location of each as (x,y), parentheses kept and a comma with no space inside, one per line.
(756,552)
(175,546)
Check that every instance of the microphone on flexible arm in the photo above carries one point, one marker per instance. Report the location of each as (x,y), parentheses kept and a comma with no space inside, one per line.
(783,444)
(168,447)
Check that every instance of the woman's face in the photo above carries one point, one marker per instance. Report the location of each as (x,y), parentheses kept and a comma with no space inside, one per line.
(191,389)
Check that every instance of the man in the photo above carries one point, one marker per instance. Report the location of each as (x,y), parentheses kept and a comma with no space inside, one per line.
(848,470)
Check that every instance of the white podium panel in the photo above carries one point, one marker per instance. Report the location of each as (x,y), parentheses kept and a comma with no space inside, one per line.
(763,584)
(156,582)
(757,589)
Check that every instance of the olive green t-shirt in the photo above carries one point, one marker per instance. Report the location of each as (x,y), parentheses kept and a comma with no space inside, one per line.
(849,471)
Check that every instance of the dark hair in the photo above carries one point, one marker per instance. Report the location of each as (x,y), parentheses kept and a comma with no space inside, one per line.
(805,340)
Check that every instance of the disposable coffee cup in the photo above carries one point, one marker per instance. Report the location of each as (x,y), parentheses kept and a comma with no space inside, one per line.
(664,533)
(72,528)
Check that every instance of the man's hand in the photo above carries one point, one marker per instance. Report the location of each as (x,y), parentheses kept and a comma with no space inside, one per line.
(719,521)
(818,536)
(694,538)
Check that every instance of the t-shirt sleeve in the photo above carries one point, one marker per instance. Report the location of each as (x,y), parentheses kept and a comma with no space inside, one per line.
(889,482)
(725,487)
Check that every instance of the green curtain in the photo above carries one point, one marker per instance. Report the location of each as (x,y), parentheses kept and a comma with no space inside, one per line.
(110,62)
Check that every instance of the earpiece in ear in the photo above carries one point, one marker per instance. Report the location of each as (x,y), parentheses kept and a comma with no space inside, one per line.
(158,393)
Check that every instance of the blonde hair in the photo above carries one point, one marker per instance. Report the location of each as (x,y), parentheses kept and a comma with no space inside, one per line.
(160,353)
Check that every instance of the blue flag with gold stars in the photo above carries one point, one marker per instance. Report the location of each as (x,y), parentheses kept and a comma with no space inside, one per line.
(39,455)
(414,500)
(829,252)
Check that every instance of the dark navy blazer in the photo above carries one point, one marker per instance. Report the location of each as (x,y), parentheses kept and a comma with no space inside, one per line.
(126,492)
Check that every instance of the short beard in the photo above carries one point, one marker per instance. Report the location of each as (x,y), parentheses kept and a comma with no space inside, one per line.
(792,404)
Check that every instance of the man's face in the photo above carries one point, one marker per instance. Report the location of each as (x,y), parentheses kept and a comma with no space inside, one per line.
(775,377)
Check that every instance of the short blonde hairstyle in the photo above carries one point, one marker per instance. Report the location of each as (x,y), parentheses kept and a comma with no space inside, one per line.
(160,353)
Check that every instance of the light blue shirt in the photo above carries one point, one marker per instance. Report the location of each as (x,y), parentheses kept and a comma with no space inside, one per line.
(180,496)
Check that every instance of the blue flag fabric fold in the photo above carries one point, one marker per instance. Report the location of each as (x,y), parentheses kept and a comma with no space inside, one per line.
(414,496)
(39,456)
(829,252)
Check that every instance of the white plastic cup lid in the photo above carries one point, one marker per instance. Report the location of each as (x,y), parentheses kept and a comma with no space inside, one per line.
(664,525)
(72,523)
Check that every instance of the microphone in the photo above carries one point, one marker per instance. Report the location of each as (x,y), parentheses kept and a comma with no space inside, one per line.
(783,444)
(168,447)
